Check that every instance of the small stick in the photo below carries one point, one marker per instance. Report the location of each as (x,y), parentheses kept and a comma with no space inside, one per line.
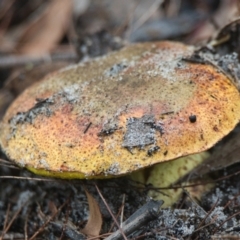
(19,60)
(216,229)
(68,231)
(109,210)
(11,222)
(88,126)
(122,210)
(207,215)
(146,213)
(48,221)
(25,228)
(28,178)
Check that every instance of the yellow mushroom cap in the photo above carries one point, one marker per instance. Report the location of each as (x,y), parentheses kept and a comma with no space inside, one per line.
(119,113)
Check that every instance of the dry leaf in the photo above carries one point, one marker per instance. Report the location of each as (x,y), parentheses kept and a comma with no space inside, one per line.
(42,35)
(6,98)
(21,78)
(94,224)
(225,155)
(52,207)
(227,11)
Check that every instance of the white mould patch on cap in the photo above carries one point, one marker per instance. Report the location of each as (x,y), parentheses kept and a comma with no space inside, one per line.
(44,163)
(114,169)
(167,69)
(71,93)
(21,163)
(116,69)
(140,132)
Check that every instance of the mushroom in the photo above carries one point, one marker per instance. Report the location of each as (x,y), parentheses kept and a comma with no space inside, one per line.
(119,113)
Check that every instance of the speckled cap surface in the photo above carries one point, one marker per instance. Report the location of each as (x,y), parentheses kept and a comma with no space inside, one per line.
(119,113)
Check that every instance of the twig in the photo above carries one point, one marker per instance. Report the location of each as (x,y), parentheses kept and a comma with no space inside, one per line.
(28,178)
(117,215)
(146,213)
(216,229)
(206,216)
(88,126)
(191,185)
(11,222)
(6,218)
(152,9)
(9,166)
(225,236)
(231,200)
(47,222)
(19,60)
(122,210)
(25,228)
(68,231)
(5,161)
(109,210)
(65,222)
